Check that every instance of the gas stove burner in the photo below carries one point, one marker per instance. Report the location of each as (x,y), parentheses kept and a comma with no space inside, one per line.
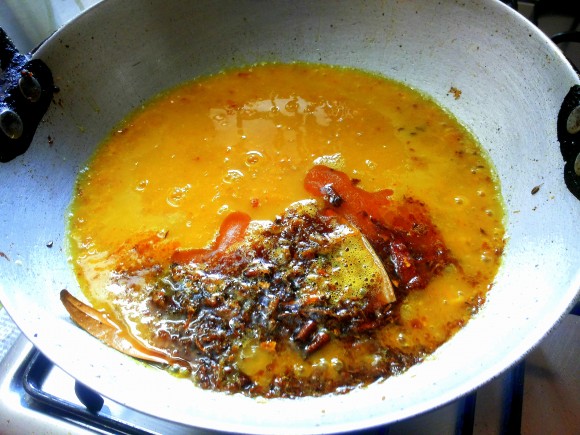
(33,381)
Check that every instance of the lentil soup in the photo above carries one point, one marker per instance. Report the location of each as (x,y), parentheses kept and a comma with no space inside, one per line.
(217,221)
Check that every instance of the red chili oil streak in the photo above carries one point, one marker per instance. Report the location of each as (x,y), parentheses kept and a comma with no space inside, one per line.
(231,231)
(401,232)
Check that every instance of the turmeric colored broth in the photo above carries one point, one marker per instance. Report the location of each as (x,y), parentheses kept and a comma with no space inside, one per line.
(244,140)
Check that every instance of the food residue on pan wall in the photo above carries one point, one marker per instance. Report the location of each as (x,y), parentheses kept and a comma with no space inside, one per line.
(455,92)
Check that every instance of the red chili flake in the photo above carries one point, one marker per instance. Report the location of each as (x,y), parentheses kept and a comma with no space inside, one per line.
(255,202)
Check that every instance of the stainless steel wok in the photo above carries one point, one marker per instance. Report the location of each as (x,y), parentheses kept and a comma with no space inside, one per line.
(118,54)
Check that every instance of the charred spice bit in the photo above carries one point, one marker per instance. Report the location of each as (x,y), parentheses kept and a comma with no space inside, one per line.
(331,196)
(306,331)
(254,299)
(536,189)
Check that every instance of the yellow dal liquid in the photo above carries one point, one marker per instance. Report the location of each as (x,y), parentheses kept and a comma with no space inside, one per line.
(244,140)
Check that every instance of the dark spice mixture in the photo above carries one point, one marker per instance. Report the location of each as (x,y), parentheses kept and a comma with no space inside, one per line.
(251,297)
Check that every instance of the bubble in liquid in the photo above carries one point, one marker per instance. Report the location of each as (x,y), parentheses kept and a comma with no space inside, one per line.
(253,157)
(232,176)
(335,161)
(322,364)
(486,257)
(142,185)
(177,194)
(292,106)
(336,364)
(223,209)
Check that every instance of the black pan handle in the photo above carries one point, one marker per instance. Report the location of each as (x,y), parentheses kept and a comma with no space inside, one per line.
(26,90)
(569,137)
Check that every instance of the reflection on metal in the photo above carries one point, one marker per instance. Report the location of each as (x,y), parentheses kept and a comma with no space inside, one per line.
(29,87)
(10,123)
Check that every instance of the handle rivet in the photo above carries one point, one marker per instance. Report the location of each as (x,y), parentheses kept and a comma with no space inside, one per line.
(29,87)
(573,121)
(11,124)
